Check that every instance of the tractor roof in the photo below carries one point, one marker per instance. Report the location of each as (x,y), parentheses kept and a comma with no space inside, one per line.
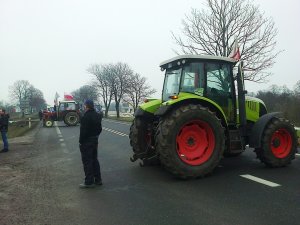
(200,57)
(67,101)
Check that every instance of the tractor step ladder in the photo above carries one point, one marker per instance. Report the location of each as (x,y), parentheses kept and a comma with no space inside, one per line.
(236,142)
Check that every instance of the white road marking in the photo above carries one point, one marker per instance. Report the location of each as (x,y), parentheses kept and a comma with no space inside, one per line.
(57,128)
(115,132)
(113,121)
(62,144)
(297,154)
(259,180)
(64,149)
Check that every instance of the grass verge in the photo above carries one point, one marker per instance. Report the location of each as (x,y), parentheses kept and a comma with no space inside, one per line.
(20,128)
(126,119)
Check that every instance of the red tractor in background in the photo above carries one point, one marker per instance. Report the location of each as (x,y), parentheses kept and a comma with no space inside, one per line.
(67,111)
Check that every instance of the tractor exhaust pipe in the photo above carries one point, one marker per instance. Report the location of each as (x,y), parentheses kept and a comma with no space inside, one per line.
(241,99)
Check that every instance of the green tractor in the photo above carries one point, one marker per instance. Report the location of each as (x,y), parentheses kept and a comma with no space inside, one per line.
(204,114)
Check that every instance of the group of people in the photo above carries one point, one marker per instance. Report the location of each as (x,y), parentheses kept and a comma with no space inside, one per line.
(90,129)
(4,117)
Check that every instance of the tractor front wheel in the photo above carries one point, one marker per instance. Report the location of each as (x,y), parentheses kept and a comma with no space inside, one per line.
(279,143)
(48,123)
(190,141)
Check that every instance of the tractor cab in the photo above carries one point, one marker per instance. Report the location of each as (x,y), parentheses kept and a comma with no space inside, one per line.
(66,106)
(207,77)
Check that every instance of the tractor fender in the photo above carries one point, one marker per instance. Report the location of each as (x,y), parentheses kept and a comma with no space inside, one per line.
(162,110)
(259,127)
(142,113)
(165,109)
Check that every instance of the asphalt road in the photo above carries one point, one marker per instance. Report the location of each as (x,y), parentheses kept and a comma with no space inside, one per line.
(150,195)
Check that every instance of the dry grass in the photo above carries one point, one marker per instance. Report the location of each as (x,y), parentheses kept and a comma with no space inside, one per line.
(20,128)
(126,119)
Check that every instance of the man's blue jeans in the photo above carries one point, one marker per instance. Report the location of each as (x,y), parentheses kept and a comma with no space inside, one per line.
(4,139)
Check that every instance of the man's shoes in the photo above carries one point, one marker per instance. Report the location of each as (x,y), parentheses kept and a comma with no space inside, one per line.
(4,150)
(84,185)
(98,182)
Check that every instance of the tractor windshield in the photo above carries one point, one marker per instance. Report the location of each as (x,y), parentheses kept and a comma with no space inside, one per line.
(171,84)
(67,106)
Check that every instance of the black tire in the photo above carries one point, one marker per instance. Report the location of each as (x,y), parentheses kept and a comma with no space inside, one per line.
(71,119)
(171,128)
(278,127)
(139,136)
(48,123)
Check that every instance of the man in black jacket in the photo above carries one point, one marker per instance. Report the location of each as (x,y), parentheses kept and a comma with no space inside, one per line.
(3,129)
(90,129)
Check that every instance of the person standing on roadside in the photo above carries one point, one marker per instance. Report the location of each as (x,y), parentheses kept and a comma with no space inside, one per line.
(4,128)
(90,129)
(41,114)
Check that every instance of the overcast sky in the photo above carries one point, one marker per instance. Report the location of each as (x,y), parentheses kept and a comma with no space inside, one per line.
(51,43)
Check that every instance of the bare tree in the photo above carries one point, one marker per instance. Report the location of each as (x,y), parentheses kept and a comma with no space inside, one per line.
(137,91)
(85,92)
(120,81)
(213,31)
(297,88)
(7,106)
(20,90)
(102,83)
(282,99)
(36,98)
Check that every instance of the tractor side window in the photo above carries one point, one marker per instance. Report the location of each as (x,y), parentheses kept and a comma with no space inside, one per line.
(193,78)
(218,78)
(219,87)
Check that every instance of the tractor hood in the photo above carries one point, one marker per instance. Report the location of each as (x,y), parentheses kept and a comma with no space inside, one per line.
(253,99)
(151,106)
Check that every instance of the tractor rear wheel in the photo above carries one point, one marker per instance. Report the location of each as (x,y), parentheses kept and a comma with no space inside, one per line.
(279,143)
(140,138)
(71,119)
(190,141)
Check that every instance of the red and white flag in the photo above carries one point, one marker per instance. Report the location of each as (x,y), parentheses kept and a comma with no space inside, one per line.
(68,97)
(235,53)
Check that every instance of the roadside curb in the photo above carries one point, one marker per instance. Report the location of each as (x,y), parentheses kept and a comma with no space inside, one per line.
(28,138)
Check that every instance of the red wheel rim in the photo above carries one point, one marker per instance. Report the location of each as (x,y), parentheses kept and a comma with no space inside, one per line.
(195,142)
(281,143)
